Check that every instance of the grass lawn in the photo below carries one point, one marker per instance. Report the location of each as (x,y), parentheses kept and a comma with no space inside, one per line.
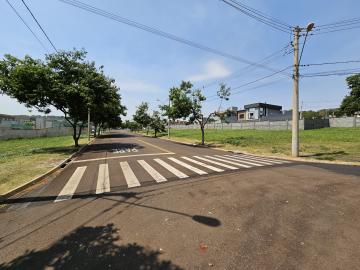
(341,144)
(23,159)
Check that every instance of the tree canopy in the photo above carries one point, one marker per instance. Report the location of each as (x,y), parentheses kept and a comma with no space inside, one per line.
(351,103)
(66,81)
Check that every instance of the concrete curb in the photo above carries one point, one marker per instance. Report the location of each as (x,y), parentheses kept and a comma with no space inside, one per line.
(42,177)
(269,156)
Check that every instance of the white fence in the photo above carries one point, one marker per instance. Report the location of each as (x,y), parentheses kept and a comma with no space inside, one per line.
(6,133)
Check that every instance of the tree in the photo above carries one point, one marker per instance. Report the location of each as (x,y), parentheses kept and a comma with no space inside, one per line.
(64,80)
(223,93)
(180,102)
(351,103)
(156,123)
(186,102)
(142,116)
(106,107)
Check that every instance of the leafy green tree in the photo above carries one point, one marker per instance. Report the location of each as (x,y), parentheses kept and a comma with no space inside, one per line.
(106,108)
(351,103)
(156,123)
(180,102)
(142,116)
(64,80)
(187,103)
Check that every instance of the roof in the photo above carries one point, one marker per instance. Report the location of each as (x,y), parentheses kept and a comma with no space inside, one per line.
(263,105)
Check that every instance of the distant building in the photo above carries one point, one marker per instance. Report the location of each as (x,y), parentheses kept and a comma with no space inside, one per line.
(258,111)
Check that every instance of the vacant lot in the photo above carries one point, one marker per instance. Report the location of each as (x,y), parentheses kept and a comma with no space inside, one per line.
(328,143)
(23,159)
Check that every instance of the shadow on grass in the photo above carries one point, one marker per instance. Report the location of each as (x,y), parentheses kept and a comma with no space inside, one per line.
(326,155)
(91,248)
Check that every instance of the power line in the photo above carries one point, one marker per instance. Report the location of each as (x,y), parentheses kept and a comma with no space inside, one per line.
(37,22)
(335,24)
(339,72)
(158,32)
(28,27)
(259,16)
(270,58)
(331,63)
(257,80)
(252,88)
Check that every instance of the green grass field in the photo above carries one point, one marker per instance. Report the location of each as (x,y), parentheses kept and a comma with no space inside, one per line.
(23,159)
(341,144)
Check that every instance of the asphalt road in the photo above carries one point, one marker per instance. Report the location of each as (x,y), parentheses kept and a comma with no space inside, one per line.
(133,202)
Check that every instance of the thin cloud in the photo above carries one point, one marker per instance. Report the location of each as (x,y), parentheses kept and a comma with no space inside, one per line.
(212,70)
(139,87)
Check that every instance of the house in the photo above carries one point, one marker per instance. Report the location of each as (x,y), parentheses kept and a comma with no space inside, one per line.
(257,111)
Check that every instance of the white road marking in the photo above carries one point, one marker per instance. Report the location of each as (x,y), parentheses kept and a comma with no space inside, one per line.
(194,169)
(203,164)
(228,161)
(244,161)
(103,182)
(266,159)
(217,163)
(130,177)
(171,168)
(117,157)
(154,173)
(69,189)
(257,160)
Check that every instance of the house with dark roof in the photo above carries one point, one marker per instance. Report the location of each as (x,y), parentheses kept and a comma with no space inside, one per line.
(257,111)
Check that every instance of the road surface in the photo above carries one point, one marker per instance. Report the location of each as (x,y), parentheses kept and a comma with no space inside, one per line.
(134,202)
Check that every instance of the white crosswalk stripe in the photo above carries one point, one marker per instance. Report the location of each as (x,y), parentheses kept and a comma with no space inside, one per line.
(154,173)
(171,168)
(103,182)
(258,161)
(203,164)
(265,159)
(216,163)
(130,177)
(244,161)
(230,162)
(69,189)
(187,166)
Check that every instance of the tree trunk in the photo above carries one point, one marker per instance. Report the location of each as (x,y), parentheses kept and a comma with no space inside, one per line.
(95,129)
(155,131)
(147,131)
(76,140)
(202,135)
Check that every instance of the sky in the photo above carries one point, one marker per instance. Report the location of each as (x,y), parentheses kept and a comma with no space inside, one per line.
(145,66)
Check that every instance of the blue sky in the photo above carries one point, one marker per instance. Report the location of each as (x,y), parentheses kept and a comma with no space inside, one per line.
(145,66)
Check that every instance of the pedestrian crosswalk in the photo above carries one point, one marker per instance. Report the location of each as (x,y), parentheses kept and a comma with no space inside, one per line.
(158,170)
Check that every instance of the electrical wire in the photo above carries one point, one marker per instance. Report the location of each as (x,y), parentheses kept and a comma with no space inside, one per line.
(270,58)
(257,80)
(28,27)
(331,63)
(42,29)
(249,89)
(339,72)
(274,23)
(158,32)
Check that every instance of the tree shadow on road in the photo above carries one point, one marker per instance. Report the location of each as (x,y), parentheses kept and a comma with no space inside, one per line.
(91,248)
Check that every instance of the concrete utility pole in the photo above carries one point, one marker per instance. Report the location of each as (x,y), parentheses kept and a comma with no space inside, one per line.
(295,98)
(88,124)
(169,119)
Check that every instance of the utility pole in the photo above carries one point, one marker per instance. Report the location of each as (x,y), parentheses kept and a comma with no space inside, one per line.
(169,118)
(295,98)
(88,124)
